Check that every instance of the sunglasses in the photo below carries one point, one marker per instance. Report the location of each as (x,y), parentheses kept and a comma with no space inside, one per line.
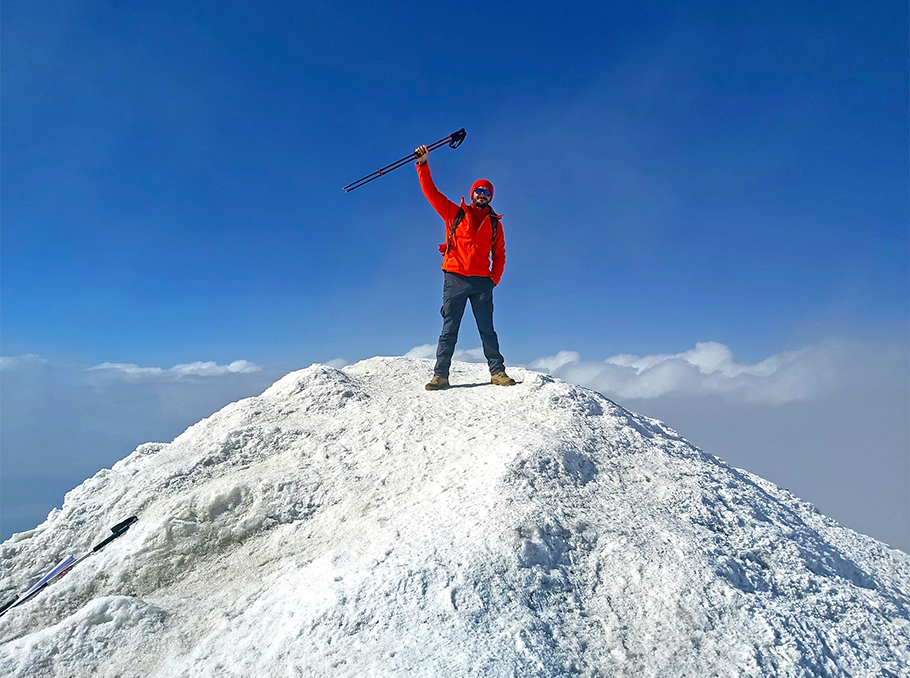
(483,191)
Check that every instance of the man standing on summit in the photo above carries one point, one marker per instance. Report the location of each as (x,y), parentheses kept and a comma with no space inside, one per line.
(474,255)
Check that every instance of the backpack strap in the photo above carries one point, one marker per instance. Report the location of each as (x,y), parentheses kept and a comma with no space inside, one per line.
(451,237)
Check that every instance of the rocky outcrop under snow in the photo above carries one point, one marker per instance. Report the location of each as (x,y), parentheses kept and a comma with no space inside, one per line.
(349,523)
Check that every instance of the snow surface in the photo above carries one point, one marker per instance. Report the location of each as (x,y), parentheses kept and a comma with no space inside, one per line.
(349,523)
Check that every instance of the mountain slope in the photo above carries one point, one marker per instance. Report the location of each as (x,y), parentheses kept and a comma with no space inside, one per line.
(348,523)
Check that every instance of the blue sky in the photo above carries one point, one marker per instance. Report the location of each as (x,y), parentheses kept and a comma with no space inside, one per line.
(669,173)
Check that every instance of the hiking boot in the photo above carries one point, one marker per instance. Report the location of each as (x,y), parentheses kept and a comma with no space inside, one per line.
(437,383)
(502,379)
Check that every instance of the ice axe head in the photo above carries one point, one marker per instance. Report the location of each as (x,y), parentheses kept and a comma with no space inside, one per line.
(117,530)
(457,138)
(123,526)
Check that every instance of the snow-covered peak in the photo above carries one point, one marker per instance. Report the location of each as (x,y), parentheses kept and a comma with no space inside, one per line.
(349,523)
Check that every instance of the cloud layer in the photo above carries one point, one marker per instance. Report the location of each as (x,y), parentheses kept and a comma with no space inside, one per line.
(197,369)
(708,369)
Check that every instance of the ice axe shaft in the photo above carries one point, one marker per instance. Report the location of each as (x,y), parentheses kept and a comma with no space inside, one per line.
(66,565)
(453,140)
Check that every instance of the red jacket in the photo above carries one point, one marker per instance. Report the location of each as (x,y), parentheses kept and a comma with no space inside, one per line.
(473,250)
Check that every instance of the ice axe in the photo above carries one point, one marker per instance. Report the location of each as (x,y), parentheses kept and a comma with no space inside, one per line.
(453,140)
(65,566)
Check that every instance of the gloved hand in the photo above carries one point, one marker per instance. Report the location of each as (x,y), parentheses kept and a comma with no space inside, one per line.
(423,153)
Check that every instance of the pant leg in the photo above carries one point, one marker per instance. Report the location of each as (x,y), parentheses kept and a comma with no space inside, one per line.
(482,306)
(455,292)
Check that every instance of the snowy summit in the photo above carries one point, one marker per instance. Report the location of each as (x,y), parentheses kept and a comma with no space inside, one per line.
(349,523)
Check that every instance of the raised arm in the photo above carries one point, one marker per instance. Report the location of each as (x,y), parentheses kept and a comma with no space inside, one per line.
(443,206)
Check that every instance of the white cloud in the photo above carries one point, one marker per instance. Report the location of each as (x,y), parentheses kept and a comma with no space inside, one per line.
(553,363)
(196,369)
(708,369)
(471,355)
(128,369)
(422,351)
(17,361)
(338,363)
(211,369)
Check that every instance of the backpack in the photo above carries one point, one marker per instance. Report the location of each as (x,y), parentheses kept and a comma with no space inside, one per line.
(494,223)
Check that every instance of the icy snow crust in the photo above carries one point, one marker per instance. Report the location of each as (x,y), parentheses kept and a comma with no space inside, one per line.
(349,523)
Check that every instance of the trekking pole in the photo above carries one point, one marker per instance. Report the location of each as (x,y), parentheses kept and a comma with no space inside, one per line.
(65,566)
(453,140)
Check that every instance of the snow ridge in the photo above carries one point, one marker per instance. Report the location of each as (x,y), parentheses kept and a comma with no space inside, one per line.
(348,523)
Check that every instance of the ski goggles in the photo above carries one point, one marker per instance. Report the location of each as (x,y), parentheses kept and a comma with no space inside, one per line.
(480,190)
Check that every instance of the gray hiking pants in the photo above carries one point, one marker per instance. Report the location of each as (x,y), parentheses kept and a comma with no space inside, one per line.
(456,291)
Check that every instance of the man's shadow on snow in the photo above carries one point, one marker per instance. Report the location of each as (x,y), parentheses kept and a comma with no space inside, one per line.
(482,383)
